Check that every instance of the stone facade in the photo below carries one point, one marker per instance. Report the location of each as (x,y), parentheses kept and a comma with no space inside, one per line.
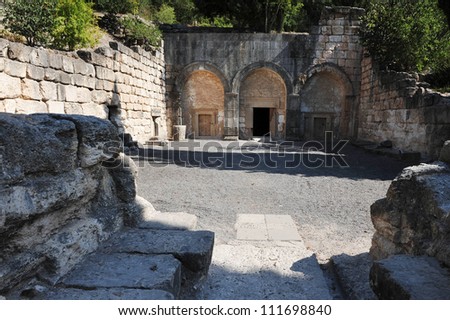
(397,107)
(273,83)
(116,83)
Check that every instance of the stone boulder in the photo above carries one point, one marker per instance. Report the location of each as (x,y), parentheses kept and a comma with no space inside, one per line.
(414,217)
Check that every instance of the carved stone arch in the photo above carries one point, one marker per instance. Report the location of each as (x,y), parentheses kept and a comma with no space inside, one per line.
(200,66)
(262,90)
(326,102)
(243,73)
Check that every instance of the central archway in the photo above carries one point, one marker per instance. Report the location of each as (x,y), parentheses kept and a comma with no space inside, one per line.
(262,103)
(202,102)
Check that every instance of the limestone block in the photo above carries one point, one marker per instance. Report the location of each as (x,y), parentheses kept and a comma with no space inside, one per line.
(64,78)
(56,107)
(81,67)
(31,90)
(20,52)
(101,97)
(405,277)
(51,75)
(47,145)
(98,139)
(40,57)
(337,30)
(76,94)
(10,87)
(193,248)
(15,68)
(123,171)
(72,108)
(10,105)
(67,64)
(61,92)
(55,61)
(2,64)
(48,90)
(95,59)
(96,110)
(83,81)
(127,271)
(29,107)
(105,74)
(4,44)
(35,73)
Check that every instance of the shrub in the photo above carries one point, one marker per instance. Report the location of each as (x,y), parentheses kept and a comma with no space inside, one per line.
(166,14)
(117,6)
(33,20)
(139,33)
(75,25)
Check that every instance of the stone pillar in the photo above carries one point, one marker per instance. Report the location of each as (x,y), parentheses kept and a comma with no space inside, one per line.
(293,117)
(231,130)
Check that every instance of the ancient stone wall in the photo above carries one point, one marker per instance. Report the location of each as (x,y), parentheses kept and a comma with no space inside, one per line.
(398,107)
(64,188)
(115,82)
(331,50)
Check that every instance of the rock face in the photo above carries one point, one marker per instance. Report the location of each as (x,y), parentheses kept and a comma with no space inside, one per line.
(413,218)
(57,200)
(412,239)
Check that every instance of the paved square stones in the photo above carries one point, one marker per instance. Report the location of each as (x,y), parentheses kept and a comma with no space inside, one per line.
(266,228)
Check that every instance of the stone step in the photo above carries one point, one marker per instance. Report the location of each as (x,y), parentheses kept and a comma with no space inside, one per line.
(127,271)
(193,248)
(168,221)
(106,294)
(352,272)
(405,277)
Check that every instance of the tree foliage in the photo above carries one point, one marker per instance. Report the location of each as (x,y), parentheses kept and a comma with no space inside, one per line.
(137,32)
(117,6)
(75,25)
(407,35)
(32,19)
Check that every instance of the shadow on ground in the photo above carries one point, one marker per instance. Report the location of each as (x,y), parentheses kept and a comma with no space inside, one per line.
(351,162)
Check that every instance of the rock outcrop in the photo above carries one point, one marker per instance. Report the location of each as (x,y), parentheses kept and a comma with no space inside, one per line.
(65,191)
(413,220)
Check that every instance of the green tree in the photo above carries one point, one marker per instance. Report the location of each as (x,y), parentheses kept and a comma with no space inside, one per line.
(166,14)
(32,19)
(75,25)
(117,6)
(137,32)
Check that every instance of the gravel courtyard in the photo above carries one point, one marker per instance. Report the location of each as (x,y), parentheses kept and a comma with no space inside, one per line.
(330,205)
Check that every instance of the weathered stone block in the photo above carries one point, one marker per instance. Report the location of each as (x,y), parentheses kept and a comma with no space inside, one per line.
(29,107)
(124,172)
(20,52)
(126,271)
(48,90)
(101,97)
(31,90)
(35,73)
(445,152)
(50,144)
(55,61)
(51,75)
(15,68)
(39,57)
(405,277)
(96,110)
(55,107)
(67,64)
(105,74)
(193,248)
(10,87)
(76,94)
(81,67)
(73,108)
(98,139)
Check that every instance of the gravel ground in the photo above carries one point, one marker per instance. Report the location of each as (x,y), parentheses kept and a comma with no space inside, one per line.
(329,205)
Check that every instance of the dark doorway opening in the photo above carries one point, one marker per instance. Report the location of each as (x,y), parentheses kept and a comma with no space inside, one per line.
(261,121)
(320,126)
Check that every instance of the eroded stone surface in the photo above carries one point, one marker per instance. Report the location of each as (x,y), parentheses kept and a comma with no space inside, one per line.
(126,271)
(410,277)
(193,248)
(106,294)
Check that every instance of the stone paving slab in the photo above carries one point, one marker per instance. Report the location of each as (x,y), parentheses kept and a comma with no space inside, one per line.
(168,221)
(129,271)
(266,227)
(266,270)
(193,248)
(107,294)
